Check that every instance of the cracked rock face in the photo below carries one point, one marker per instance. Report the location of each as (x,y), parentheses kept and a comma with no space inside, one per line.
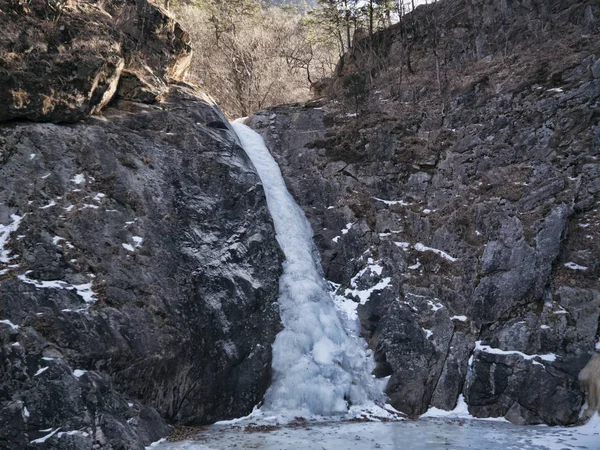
(463,231)
(62,61)
(138,276)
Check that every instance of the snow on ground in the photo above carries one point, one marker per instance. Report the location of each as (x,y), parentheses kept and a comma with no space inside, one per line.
(450,432)
(317,366)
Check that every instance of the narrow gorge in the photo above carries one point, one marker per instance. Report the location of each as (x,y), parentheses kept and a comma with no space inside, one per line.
(423,242)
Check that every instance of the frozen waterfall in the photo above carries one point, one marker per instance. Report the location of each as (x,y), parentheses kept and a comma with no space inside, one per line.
(318,368)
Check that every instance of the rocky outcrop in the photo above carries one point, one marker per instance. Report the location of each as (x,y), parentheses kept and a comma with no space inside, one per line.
(457,207)
(61,61)
(138,262)
(138,278)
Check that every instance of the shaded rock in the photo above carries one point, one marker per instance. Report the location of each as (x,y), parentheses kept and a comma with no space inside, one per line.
(141,279)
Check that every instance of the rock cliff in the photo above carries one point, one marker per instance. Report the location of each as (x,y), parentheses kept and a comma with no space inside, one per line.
(138,262)
(456,202)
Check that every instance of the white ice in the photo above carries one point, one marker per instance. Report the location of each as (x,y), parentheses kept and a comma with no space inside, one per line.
(317,367)
(448,430)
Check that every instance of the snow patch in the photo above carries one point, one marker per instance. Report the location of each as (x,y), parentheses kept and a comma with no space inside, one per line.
(5,231)
(550,357)
(155,444)
(128,247)
(459,318)
(78,179)
(573,266)
(422,248)
(45,438)
(392,202)
(77,373)
(365,294)
(83,290)
(10,324)
(434,306)
(347,229)
(49,205)
(40,371)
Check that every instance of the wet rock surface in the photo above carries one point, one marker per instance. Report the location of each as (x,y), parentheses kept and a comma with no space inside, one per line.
(464,227)
(138,276)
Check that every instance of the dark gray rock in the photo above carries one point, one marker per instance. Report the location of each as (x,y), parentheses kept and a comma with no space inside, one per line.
(495,177)
(142,276)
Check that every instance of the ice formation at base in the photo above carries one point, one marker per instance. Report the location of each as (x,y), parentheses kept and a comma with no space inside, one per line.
(318,368)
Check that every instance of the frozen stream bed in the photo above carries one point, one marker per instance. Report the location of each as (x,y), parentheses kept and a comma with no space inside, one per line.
(430,433)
